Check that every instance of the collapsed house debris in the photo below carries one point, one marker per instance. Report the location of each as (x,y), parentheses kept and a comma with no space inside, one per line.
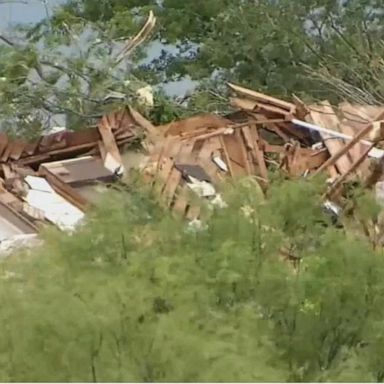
(53,179)
(266,133)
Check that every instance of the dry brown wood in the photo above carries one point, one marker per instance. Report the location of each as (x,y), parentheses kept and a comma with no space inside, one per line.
(34,160)
(241,103)
(109,141)
(259,154)
(174,178)
(364,131)
(30,148)
(235,155)
(171,186)
(7,172)
(356,151)
(261,97)
(325,116)
(227,160)
(193,124)
(164,170)
(294,131)
(65,190)
(374,173)
(138,39)
(143,122)
(269,148)
(250,146)
(315,159)
(184,155)
(352,169)
(3,142)
(102,149)
(205,155)
(243,151)
(17,150)
(301,108)
(6,152)
(14,216)
(218,132)
(272,111)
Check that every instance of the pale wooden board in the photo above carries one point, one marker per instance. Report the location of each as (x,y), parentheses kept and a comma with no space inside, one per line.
(259,153)
(355,119)
(204,157)
(324,116)
(235,155)
(109,141)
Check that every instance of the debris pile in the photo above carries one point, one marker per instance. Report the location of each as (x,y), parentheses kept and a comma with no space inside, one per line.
(266,133)
(56,178)
(53,180)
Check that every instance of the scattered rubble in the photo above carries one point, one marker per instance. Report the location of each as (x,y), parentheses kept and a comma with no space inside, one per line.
(266,133)
(53,180)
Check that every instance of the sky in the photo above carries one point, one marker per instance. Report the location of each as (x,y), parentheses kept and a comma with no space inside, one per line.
(24,11)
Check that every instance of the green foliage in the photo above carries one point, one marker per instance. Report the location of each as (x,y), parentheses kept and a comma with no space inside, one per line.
(281,47)
(135,295)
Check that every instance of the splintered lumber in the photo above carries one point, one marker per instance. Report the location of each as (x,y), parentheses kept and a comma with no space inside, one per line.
(65,190)
(374,173)
(351,123)
(192,125)
(3,142)
(301,109)
(206,154)
(140,37)
(352,169)
(325,116)
(109,140)
(259,154)
(257,96)
(237,153)
(364,131)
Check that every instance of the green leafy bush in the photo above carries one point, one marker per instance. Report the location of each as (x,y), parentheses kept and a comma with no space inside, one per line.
(135,295)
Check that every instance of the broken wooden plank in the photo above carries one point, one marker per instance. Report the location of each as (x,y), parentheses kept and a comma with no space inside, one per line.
(364,131)
(235,155)
(65,190)
(261,97)
(17,149)
(3,142)
(171,186)
(352,169)
(325,116)
(259,154)
(109,141)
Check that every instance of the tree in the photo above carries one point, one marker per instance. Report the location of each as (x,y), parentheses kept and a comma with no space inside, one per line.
(263,44)
(68,71)
(66,65)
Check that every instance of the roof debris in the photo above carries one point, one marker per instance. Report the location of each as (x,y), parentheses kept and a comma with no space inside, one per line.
(267,133)
(52,180)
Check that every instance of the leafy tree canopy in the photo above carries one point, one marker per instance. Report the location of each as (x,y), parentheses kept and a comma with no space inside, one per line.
(66,65)
(263,44)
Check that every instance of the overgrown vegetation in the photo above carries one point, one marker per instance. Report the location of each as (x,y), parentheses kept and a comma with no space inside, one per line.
(137,295)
